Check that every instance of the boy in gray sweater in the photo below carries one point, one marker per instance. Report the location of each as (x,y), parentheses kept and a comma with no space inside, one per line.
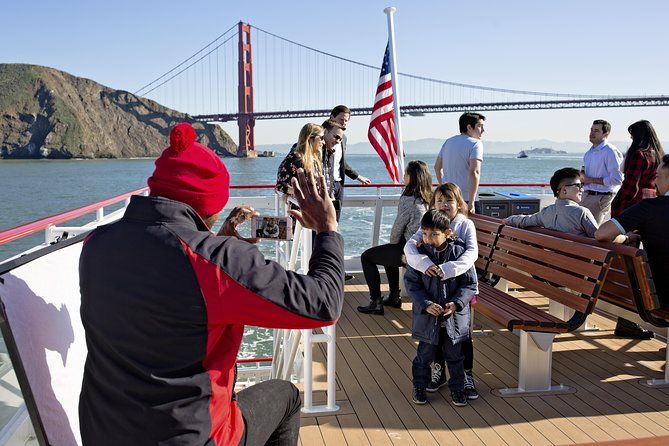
(566,215)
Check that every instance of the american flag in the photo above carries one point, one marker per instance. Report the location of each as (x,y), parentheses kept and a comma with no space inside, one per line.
(381,133)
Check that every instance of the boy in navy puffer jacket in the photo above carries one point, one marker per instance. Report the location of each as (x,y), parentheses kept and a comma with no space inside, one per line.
(440,309)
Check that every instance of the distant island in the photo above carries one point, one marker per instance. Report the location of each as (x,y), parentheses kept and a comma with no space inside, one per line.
(543,151)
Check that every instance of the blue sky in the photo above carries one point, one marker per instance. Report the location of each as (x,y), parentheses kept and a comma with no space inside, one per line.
(566,46)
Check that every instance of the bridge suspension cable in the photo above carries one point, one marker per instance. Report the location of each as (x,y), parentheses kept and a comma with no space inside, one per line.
(144,90)
(438,81)
(290,79)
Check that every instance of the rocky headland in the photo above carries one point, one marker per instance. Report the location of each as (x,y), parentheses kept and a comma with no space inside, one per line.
(47,113)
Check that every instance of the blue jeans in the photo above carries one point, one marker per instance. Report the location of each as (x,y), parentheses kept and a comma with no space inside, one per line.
(454,360)
(271,411)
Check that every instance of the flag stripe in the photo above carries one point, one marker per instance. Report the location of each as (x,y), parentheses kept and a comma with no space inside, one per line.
(381,133)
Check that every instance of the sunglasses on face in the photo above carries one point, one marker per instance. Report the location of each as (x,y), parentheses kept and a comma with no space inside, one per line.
(579,185)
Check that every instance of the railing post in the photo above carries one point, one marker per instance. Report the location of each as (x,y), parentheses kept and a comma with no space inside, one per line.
(308,371)
(378,215)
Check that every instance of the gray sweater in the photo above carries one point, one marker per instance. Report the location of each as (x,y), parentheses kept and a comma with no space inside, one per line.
(409,213)
(564,216)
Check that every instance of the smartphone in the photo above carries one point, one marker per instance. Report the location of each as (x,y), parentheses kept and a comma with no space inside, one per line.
(272,227)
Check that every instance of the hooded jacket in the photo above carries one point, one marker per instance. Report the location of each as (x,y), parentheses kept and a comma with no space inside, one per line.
(164,305)
(425,290)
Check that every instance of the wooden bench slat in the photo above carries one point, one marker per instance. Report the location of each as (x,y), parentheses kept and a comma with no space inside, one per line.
(534,319)
(617,276)
(571,300)
(558,244)
(515,306)
(571,281)
(645,282)
(629,283)
(485,238)
(557,259)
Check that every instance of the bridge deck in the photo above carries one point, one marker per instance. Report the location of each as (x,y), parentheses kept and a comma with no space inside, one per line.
(374,388)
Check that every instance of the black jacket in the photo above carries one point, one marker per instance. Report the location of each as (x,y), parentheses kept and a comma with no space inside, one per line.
(164,304)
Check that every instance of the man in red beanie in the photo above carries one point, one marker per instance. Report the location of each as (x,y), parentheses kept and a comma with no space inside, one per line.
(165,301)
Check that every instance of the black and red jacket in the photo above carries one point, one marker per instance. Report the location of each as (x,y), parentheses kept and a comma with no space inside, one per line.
(164,304)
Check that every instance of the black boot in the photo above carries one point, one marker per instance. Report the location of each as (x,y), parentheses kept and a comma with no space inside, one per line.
(393,299)
(375,307)
(628,329)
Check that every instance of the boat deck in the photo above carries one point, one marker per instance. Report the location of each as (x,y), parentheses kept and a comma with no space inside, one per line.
(374,387)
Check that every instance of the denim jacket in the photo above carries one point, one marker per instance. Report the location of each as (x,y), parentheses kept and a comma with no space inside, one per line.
(425,290)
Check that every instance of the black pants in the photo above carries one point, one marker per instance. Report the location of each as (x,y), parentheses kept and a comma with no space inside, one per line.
(467,352)
(391,257)
(271,411)
(338,198)
(426,353)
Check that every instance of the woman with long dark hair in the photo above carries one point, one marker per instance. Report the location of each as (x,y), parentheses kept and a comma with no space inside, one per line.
(413,204)
(640,167)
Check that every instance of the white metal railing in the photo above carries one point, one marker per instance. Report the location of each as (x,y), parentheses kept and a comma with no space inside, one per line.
(287,361)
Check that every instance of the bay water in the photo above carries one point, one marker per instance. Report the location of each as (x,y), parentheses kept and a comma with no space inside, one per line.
(34,189)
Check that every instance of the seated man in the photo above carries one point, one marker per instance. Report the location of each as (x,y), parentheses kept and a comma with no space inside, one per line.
(165,301)
(650,217)
(566,215)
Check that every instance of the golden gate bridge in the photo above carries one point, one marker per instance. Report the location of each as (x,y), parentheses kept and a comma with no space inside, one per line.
(243,78)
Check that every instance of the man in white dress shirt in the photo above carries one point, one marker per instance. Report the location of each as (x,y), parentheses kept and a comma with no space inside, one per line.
(603,175)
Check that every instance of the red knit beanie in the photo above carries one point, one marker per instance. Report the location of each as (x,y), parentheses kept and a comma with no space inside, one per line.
(191,173)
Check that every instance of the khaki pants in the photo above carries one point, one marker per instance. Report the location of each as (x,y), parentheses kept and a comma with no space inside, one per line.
(599,205)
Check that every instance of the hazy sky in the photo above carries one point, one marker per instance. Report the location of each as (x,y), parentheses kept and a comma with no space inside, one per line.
(591,47)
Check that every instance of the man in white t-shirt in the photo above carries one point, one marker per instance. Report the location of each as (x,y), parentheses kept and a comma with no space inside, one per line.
(459,160)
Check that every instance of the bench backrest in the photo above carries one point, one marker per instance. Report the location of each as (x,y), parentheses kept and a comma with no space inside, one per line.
(565,271)
(45,338)
(629,283)
(487,229)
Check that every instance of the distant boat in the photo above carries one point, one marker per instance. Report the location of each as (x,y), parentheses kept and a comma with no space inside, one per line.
(522,154)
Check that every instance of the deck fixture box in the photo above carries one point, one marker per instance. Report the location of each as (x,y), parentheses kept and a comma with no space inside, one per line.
(521,203)
(494,204)
(504,204)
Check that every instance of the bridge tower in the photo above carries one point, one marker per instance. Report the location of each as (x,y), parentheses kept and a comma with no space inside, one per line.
(245,121)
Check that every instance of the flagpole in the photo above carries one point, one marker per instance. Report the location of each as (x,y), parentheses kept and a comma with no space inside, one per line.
(396,97)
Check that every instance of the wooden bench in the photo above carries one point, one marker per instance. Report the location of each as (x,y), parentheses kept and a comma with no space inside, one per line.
(562,270)
(629,290)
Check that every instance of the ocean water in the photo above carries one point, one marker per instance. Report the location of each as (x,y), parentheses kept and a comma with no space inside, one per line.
(36,189)
(32,190)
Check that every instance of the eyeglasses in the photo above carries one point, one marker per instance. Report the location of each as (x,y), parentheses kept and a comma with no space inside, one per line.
(579,185)
(336,137)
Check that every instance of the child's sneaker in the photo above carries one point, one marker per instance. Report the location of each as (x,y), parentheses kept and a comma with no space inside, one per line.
(438,378)
(419,395)
(470,389)
(459,398)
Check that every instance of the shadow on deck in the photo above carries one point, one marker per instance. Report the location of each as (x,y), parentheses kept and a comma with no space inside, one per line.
(374,388)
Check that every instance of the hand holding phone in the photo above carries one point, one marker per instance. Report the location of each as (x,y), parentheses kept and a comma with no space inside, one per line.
(238,216)
(272,227)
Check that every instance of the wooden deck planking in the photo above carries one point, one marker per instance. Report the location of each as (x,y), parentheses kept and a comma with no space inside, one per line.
(597,397)
(374,374)
(488,432)
(422,416)
(512,347)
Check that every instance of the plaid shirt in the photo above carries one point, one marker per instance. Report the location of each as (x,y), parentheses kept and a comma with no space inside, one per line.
(639,182)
